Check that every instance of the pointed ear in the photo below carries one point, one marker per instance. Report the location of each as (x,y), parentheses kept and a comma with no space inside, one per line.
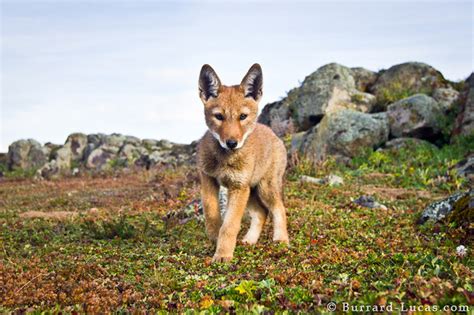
(209,83)
(252,83)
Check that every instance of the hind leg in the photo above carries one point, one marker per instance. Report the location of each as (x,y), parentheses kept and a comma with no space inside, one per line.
(258,216)
(270,193)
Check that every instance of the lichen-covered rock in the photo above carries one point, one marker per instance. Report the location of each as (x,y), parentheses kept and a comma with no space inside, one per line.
(345,133)
(416,116)
(101,157)
(63,158)
(73,150)
(149,143)
(114,140)
(410,77)
(132,140)
(440,209)
(130,153)
(465,121)
(26,154)
(446,97)
(329,89)
(76,143)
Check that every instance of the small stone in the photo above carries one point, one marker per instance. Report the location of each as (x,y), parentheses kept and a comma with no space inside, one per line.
(312,180)
(369,202)
(334,180)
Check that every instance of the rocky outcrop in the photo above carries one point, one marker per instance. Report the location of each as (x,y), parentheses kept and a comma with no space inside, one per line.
(344,134)
(330,88)
(415,116)
(95,152)
(337,111)
(417,100)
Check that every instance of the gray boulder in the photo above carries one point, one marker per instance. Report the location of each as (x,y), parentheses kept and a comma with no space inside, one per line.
(131,153)
(132,140)
(329,89)
(407,78)
(63,158)
(161,157)
(446,97)
(76,143)
(345,133)
(149,143)
(72,151)
(101,158)
(26,154)
(114,140)
(415,116)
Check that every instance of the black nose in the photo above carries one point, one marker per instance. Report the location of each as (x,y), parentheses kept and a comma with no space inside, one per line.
(231,144)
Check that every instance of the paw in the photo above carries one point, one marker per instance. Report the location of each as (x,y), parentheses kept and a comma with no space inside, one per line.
(248,240)
(221,259)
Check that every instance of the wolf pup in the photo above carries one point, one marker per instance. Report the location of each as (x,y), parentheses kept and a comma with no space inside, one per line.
(242,155)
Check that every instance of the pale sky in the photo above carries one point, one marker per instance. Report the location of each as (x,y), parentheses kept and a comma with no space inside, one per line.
(132,66)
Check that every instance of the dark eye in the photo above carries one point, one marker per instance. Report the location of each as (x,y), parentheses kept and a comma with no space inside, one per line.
(243,116)
(219,116)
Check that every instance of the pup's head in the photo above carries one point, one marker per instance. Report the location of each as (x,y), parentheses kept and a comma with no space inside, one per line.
(231,111)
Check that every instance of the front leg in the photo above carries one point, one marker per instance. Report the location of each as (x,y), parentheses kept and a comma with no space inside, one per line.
(237,201)
(210,203)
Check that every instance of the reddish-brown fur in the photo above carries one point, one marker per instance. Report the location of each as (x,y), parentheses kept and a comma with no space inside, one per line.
(252,171)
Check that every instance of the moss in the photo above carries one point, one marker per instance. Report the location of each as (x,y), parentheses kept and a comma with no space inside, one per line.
(459,86)
(357,98)
(21,173)
(394,92)
(462,214)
